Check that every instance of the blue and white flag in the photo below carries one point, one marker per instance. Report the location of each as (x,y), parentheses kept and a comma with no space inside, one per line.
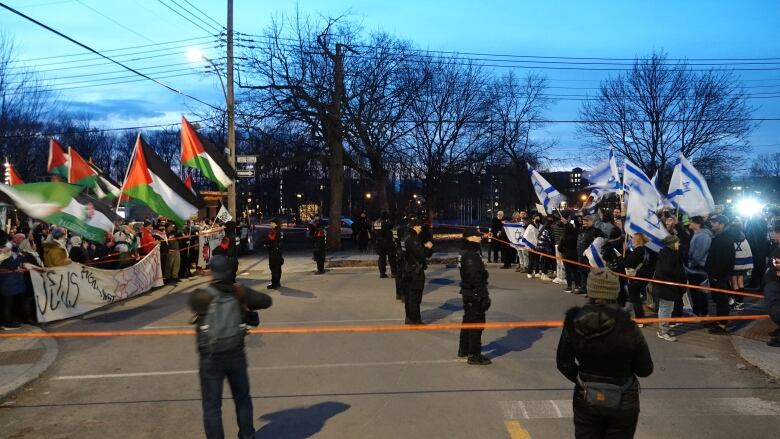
(593,253)
(664,200)
(514,233)
(688,190)
(548,196)
(643,202)
(604,176)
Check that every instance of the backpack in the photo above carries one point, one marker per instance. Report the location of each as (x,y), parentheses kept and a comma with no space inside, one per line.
(222,328)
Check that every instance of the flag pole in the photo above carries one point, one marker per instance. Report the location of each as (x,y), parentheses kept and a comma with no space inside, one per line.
(127,171)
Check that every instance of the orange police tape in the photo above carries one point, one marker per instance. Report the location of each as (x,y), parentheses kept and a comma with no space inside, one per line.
(643,279)
(357,329)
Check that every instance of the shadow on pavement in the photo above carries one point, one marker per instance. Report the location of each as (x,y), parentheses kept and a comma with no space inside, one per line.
(292,292)
(301,422)
(515,340)
(444,310)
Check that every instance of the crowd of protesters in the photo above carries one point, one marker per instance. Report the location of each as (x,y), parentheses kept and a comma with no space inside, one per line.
(43,245)
(722,251)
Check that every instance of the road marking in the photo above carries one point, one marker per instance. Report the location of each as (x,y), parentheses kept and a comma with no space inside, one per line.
(316,322)
(516,431)
(259,368)
(747,406)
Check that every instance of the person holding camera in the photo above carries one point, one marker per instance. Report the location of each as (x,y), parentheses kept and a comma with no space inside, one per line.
(223,311)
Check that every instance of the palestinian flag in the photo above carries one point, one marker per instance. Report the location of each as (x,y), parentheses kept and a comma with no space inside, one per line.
(61,204)
(189,184)
(152,182)
(11,177)
(80,172)
(106,188)
(203,155)
(59,162)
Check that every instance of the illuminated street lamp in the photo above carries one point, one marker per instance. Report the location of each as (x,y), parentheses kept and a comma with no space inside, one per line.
(368,195)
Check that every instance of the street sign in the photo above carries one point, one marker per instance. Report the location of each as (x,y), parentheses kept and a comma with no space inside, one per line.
(245,173)
(246,159)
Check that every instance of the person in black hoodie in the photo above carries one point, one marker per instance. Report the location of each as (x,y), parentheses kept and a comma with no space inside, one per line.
(567,246)
(669,267)
(476,300)
(599,345)
(231,363)
(719,265)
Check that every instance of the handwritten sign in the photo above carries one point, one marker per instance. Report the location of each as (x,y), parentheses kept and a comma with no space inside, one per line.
(207,242)
(75,289)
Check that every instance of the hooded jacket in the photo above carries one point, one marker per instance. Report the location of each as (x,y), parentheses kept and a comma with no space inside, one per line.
(54,254)
(720,259)
(698,250)
(669,267)
(602,340)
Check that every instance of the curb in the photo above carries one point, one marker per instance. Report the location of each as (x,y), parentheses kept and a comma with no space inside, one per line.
(754,352)
(36,370)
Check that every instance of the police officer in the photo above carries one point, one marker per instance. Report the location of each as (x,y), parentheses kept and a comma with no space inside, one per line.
(319,242)
(415,263)
(383,230)
(476,300)
(273,242)
(399,236)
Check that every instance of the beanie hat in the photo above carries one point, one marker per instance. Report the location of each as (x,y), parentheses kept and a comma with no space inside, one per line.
(602,284)
(669,240)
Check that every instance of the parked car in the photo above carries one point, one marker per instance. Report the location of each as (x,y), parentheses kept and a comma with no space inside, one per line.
(346,226)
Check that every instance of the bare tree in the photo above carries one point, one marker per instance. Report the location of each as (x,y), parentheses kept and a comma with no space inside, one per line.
(659,110)
(301,66)
(766,165)
(380,90)
(448,118)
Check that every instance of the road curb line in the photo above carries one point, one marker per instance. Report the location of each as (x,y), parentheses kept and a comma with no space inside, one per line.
(51,351)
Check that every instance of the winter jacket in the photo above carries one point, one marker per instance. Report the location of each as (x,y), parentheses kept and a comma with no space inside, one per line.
(54,255)
(558,229)
(743,256)
(546,242)
(11,281)
(531,235)
(720,259)
(669,267)
(147,242)
(473,275)
(496,227)
(641,255)
(698,250)
(602,340)
(78,254)
(415,259)
(568,243)
(318,240)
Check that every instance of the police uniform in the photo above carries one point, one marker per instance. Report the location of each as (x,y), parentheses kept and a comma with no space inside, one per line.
(476,300)
(415,263)
(383,230)
(399,236)
(273,242)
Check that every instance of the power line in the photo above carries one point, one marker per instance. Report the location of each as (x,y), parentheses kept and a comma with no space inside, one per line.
(55,89)
(99,130)
(133,31)
(102,55)
(205,15)
(184,17)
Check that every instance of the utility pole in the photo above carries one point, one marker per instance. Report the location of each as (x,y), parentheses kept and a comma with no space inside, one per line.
(231,111)
(335,135)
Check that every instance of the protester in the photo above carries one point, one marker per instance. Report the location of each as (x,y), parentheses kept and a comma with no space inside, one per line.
(670,268)
(54,253)
(476,299)
(508,253)
(558,229)
(173,261)
(771,283)
(719,266)
(601,350)
(568,248)
(638,263)
(546,245)
(695,268)
(123,242)
(147,239)
(273,243)
(78,250)
(757,237)
(416,254)
(363,230)
(743,264)
(496,231)
(221,327)
(531,240)
(585,237)
(12,286)
(162,238)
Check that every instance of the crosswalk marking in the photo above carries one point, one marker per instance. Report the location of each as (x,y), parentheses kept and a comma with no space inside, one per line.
(650,407)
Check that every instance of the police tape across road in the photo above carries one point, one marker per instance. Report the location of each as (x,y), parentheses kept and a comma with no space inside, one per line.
(359,329)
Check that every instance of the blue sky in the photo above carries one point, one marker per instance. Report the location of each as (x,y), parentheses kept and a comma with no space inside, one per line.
(685,29)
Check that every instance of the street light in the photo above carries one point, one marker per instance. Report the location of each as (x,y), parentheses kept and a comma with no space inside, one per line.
(368,195)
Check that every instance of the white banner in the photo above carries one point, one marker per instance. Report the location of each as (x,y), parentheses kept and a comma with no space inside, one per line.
(75,289)
(208,241)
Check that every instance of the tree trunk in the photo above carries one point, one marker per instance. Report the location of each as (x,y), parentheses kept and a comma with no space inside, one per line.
(336,174)
(381,179)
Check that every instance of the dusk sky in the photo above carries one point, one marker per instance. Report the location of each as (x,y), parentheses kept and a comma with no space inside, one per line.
(614,29)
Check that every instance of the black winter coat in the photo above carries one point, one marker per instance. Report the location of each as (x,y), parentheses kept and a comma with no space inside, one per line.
(720,259)
(641,255)
(585,238)
(496,227)
(473,276)
(568,243)
(602,340)
(669,267)
(415,256)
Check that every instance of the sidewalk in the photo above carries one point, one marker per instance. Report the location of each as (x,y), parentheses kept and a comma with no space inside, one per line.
(750,344)
(23,360)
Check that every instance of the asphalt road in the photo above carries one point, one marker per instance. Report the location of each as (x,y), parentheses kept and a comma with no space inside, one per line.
(375,385)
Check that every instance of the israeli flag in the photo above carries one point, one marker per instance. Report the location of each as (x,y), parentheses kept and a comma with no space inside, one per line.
(548,196)
(593,253)
(604,176)
(643,202)
(514,233)
(664,200)
(688,190)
